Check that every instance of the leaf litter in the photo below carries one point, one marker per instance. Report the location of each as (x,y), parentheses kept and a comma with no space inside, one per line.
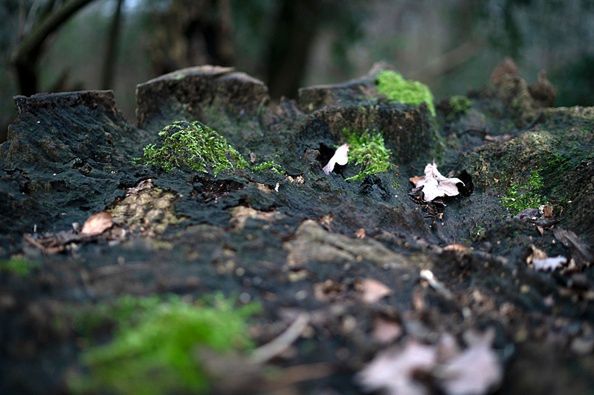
(415,368)
(433,184)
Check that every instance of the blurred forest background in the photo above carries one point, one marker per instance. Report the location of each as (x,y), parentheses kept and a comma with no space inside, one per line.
(452,45)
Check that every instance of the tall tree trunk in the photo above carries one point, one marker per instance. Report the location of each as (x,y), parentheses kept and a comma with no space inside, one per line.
(111,48)
(292,38)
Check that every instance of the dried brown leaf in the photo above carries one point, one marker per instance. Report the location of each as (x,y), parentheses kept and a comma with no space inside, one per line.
(97,224)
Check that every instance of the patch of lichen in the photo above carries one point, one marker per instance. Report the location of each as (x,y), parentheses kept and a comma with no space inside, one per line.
(521,196)
(154,347)
(192,146)
(146,209)
(18,266)
(367,150)
(396,88)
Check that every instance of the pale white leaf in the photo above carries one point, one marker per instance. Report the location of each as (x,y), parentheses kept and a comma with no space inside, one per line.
(552,263)
(393,370)
(373,290)
(474,371)
(434,184)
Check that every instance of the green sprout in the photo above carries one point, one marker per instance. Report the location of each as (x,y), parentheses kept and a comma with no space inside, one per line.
(519,197)
(460,104)
(194,146)
(269,165)
(155,346)
(396,88)
(368,150)
(18,266)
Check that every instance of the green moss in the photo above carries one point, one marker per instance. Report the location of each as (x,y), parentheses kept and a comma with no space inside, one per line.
(18,266)
(522,196)
(397,88)
(367,149)
(193,146)
(269,165)
(196,146)
(460,104)
(478,233)
(154,347)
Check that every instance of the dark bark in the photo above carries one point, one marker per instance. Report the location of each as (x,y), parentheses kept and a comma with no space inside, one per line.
(111,48)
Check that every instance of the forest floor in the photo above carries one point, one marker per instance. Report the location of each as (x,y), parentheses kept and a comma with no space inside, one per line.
(294,281)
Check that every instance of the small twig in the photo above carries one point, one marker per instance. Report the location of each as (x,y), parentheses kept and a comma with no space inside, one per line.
(437,285)
(282,342)
(34,243)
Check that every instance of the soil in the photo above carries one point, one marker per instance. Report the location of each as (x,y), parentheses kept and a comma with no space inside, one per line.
(304,242)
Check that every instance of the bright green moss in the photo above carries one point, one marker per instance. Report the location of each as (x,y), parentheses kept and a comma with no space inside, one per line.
(522,196)
(367,149)
(396,88)
(269,165)
(194,146)
(154,349)
(460,104)
(17,266)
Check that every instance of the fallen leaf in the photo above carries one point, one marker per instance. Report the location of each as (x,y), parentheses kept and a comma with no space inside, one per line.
(447,347)
(547,210)
(434,184)
(539,260)
(393,370)
(385,330)
(340,157)
(474,371)
(97,224)
(547,264)
(360,233)
(373,290)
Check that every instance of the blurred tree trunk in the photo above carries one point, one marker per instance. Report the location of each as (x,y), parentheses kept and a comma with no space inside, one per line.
(292,38)
(111,47)
(25,58)
(192,32)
